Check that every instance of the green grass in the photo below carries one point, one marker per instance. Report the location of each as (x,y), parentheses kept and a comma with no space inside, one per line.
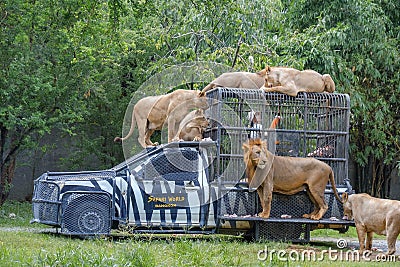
(23,244)
(351,233)
(15,214)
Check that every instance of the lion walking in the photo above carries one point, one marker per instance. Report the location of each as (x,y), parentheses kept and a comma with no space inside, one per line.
(154,112)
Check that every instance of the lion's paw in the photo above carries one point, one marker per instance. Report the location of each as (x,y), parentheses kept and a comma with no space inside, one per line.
(315,217)
(264,215)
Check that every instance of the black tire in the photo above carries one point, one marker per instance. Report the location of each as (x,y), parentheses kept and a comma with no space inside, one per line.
(87,215)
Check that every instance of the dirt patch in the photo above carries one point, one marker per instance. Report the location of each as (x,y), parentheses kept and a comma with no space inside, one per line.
(27,229)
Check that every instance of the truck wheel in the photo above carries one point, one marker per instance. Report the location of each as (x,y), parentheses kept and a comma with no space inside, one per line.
(87,215)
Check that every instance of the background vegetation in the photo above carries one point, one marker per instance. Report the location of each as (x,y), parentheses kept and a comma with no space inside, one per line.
(73,65)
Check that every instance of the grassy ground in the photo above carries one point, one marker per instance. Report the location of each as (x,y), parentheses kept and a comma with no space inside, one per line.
(23,244)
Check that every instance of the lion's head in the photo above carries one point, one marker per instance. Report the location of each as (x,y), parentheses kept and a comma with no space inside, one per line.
(347,207)
(201,101)
(271,77)
(255,155)
(198,120)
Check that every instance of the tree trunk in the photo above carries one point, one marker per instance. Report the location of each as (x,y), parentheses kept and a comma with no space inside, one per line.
(7,167)
(7,174)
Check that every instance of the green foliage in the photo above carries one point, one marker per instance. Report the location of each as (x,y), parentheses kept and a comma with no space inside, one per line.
(365,55)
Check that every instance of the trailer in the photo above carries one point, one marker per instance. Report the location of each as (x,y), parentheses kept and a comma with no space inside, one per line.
(200,187)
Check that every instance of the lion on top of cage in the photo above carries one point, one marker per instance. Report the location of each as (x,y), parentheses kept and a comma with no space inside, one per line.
(151,113)
(238,79)
(268,173)
(291,81)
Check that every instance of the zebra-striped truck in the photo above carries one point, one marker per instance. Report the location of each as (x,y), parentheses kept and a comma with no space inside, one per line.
(200,187)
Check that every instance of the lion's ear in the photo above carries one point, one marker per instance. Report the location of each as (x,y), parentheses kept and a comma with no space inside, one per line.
(345,197)
(262,72)
(201,94)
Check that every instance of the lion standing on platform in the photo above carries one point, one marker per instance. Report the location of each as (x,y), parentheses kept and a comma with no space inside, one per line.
(268,173)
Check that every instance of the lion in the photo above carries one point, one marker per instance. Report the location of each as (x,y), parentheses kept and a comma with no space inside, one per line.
(153,112)
(292,81)
(373,215)
(267,173)
(248,80)
(140,113)
(192,126)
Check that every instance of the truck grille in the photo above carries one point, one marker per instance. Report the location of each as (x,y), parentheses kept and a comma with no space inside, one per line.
(45,203)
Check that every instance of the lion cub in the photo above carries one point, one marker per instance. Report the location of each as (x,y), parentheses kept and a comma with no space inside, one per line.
(373,215)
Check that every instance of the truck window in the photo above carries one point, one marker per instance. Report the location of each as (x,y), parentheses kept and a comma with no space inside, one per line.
(177,165)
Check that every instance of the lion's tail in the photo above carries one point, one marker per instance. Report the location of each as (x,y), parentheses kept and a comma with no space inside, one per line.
(329,83)
(332,181)
(208,87)
(133,123)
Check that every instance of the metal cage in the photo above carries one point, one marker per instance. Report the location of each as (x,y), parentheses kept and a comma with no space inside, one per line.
(310,125)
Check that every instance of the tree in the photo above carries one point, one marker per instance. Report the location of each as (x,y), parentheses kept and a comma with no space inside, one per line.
(366,47)
(53,56)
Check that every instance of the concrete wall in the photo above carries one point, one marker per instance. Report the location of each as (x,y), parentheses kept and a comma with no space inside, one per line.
(394,181)
(395,185)
(31,164)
